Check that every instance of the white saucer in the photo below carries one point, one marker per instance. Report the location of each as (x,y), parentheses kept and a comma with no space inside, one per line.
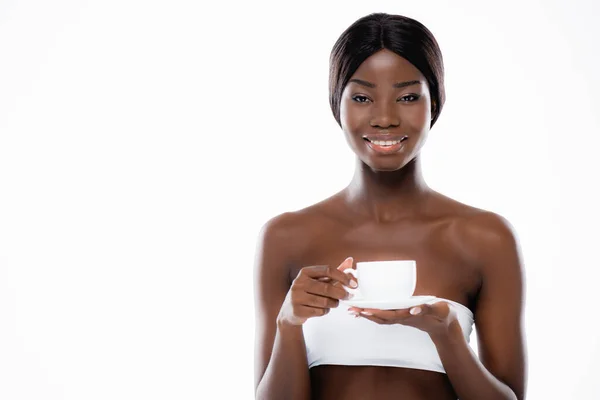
(389,304)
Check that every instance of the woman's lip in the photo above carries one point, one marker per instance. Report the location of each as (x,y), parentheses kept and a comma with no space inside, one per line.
(386,149)
(385,138)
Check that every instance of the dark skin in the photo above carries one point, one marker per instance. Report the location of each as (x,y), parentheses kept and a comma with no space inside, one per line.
(387,212)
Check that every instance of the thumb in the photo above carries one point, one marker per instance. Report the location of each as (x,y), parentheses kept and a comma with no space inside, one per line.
(347,263)
(422,309)
(438,309)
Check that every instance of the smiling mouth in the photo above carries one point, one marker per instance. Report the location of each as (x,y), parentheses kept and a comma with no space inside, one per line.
(385,143)
(381,145)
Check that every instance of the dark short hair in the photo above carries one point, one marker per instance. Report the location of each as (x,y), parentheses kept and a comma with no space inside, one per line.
(402,35)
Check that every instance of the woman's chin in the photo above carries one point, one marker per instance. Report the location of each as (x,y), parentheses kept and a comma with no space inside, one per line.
(379,166)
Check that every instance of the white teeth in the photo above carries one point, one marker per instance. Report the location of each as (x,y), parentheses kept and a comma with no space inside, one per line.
(385,143)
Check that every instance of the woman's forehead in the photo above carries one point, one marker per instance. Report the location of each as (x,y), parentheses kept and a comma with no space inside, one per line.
(386,65)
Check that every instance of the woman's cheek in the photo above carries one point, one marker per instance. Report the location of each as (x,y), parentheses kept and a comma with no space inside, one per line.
(416,118)
(355,118)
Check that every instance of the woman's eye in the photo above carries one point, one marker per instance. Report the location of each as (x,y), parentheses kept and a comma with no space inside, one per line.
(360,99)
(409,98)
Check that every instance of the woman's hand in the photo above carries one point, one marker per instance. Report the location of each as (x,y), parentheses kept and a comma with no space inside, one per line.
(434,319)
(315,291)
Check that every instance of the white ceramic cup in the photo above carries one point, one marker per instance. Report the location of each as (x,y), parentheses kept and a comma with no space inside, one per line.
(384,280)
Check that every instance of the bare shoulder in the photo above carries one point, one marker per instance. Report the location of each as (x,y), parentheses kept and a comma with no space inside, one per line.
(483,232)
(291,232)
(284,230)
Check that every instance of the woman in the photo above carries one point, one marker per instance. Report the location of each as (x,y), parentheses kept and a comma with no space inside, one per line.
(386,92)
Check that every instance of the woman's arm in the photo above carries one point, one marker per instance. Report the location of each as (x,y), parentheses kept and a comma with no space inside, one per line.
(281,369)
(501,373)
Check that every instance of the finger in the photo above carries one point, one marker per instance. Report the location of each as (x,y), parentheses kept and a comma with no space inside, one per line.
(387,314)
(307,311)
(347,264)
(439,310)
(417,310)
(320,271)
(383,317)
(328,279)
(319,312)
(326,290)
(374,318)
(315,301)
(323,278)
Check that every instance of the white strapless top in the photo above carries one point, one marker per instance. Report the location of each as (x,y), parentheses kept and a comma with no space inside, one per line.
(339,338)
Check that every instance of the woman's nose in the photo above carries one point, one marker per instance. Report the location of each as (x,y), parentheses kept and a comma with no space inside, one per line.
(384,116)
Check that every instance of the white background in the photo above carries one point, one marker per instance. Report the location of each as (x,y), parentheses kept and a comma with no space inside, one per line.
(143,144)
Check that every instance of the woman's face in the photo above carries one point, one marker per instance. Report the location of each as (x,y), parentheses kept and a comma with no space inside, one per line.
(386,100)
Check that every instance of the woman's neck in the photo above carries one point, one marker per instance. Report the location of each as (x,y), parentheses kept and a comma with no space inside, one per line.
(387,196)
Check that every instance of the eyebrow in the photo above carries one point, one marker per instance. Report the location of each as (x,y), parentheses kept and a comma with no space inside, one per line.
(396,85)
